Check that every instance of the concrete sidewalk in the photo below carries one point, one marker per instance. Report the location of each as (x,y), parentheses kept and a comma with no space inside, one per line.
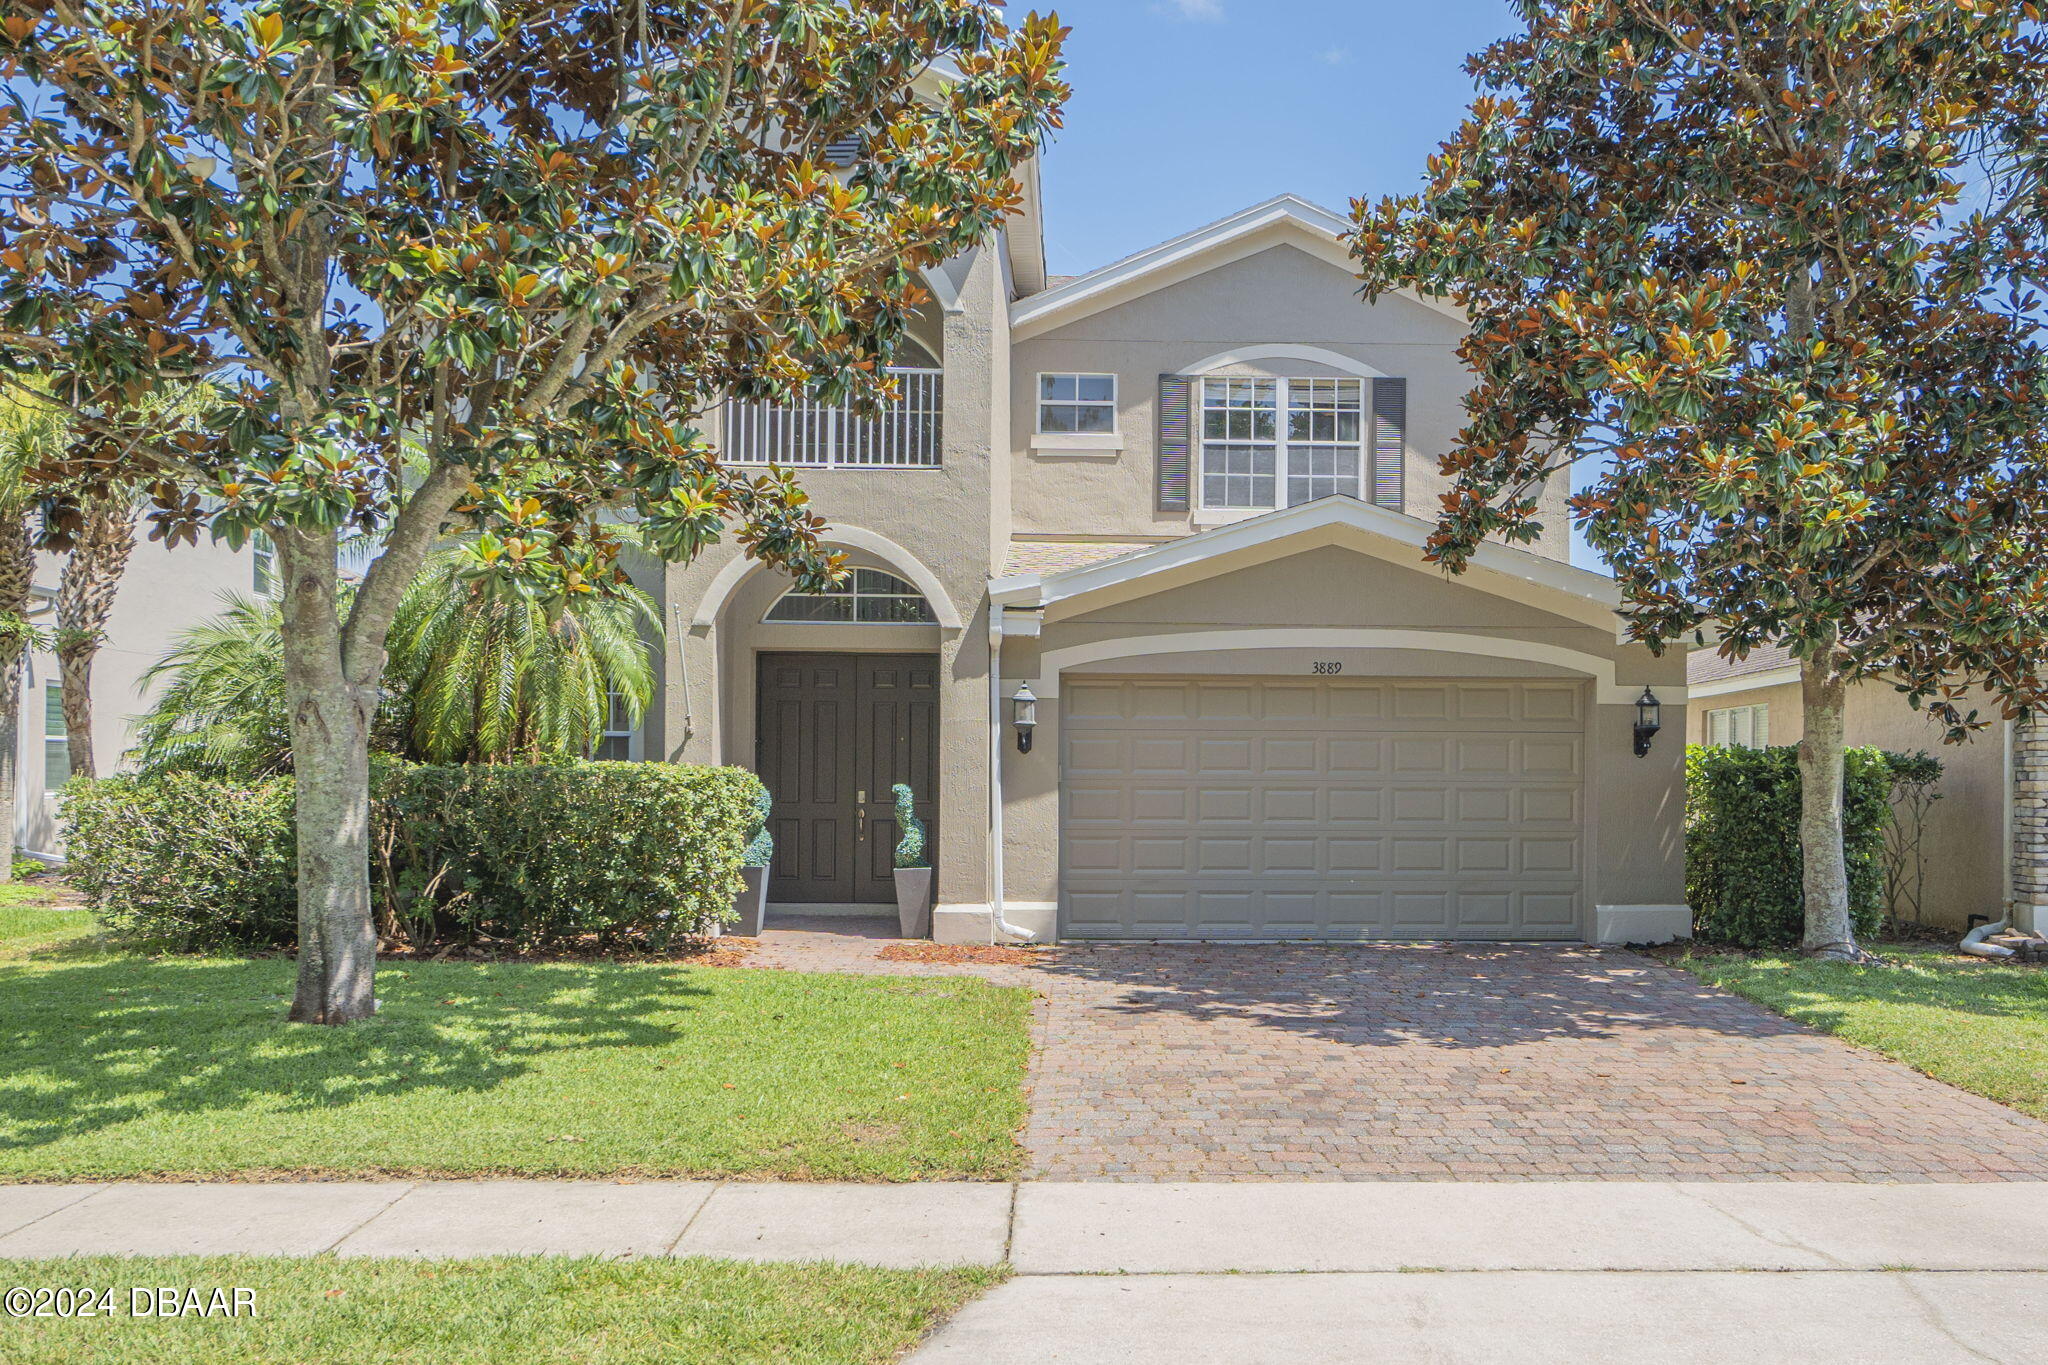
(1070,1229)
(1582,1272)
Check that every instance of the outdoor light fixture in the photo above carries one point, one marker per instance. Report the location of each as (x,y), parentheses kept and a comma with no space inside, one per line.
(1649,720)
(1024,715)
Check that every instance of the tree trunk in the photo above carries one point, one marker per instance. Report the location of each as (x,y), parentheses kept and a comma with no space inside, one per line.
(1830,933)
(333,677)
(85,599)
(330,727)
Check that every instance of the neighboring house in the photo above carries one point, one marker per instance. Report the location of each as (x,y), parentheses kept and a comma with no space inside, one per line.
(163,593)
(1969,837)
(1181,499)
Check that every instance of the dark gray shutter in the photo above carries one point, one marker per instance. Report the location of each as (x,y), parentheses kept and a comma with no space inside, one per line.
(1389,433)
(1171,477)
(842,151)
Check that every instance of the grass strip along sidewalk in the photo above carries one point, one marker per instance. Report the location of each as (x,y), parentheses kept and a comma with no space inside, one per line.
(505,1311)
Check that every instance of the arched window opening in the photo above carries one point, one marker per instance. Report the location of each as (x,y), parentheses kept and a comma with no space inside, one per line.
(866,597)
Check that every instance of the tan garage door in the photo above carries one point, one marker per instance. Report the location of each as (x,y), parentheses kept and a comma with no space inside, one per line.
(1323,809)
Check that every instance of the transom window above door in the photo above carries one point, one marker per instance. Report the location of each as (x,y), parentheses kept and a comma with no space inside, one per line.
(1268,443)
(866,597)
(1076,404)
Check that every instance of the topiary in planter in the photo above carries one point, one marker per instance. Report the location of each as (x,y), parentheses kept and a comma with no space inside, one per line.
(910,849)
(760,850)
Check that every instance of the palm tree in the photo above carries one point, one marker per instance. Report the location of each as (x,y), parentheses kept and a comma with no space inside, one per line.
(479,672)
(222,711)
(493,672)
(102,535)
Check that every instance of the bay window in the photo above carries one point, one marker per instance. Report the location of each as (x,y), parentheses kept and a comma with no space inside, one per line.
(1268,443)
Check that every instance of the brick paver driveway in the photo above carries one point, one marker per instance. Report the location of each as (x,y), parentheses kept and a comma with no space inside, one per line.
(1477,1062)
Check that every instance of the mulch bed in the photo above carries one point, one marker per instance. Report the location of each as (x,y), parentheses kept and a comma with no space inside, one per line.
(956,954)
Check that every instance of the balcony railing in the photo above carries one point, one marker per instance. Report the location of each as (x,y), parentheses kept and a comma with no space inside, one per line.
(905,434)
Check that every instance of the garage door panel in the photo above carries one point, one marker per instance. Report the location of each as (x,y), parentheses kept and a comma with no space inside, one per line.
(1357,805)
(1419,805)
(1224,757)
(1291,855)
(1153,805)
(1344,810)
(1225,803)
(1291,755)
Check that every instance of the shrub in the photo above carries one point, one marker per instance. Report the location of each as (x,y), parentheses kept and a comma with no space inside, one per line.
(546,854)
(535,855)
(1742,859)
(185,862)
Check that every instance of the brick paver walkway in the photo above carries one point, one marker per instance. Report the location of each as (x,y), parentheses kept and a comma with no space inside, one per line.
(1477,1062)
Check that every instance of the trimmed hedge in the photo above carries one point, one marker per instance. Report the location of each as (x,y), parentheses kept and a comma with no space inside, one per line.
(185,862)
(539,856)
(1742,859)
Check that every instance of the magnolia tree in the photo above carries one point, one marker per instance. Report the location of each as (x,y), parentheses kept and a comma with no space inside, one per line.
(472,267)
(1768,273)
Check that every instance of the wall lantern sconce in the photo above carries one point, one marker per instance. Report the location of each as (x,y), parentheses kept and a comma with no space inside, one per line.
(1024,715)
(1649,720)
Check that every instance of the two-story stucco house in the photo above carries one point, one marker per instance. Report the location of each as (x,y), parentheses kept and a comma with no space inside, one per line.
(1179,502)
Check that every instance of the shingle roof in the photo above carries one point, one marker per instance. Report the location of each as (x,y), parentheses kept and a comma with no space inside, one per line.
(1051,556)
(1707,665)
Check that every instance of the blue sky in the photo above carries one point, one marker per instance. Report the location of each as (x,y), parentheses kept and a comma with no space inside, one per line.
(1187,110)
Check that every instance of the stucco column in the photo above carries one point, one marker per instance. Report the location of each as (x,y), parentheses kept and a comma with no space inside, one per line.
(2030,823)
(964,773)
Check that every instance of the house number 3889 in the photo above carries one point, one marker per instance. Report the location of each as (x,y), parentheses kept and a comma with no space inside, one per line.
(1326,667)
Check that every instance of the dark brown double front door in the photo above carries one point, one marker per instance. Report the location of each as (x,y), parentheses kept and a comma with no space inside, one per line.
(835,733)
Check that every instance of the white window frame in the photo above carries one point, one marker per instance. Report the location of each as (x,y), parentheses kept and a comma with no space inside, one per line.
(56,738)
(1740,727)
(263,566)
(1284,449)
(853,596)
(1077,401)
(612,702)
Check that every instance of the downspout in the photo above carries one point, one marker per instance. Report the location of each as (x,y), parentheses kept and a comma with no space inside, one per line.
(995,778)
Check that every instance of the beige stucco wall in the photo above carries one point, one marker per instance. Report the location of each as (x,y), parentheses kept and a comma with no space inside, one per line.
(1965,839)
(939,521)
(162,593)
(1634,826)
(1281,296)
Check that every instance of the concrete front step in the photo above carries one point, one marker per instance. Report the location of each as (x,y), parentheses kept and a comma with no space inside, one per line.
(1061,1229)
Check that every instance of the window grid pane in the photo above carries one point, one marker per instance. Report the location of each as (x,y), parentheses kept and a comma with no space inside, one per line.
(1319,453)
(1076,403)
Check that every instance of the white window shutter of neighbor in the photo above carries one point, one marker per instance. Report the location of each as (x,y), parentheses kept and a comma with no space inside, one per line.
(1717,727)
(1761,723)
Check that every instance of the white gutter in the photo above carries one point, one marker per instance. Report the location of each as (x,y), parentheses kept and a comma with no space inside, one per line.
(995,779)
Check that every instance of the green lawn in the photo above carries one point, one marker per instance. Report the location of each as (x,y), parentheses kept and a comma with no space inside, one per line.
(1980,1025)
(496,1312)
(121,1065)
(32,917)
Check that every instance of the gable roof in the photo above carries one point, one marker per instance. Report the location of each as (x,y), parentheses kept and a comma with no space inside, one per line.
(1707,666)
(1544,583)
(1285,220)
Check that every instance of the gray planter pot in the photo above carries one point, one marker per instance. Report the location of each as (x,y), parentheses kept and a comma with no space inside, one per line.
(914,902)
(751,904)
